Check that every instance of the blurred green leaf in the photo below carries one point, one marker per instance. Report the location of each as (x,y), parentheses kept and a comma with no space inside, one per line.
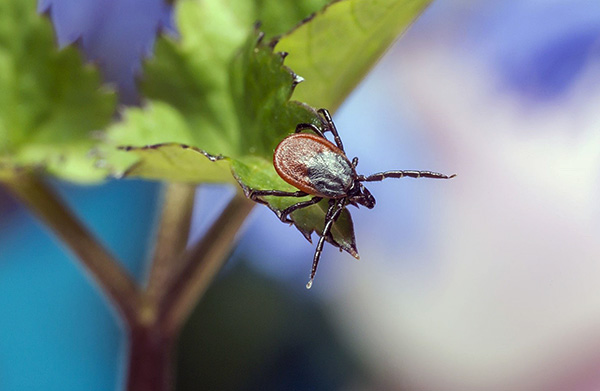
(335,49)
(50,103)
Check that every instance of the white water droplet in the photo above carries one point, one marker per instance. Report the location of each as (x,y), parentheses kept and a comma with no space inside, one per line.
(309,284)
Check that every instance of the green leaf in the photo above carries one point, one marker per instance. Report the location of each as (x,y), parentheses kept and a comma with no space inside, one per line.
(335,49)
(261,87)
(159,160)
(50,103)
(279,16)
(227,93)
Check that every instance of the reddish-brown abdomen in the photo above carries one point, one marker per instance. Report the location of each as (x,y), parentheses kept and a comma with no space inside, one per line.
(294,161)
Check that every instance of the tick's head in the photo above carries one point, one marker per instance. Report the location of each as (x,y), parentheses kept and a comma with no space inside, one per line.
(363,197)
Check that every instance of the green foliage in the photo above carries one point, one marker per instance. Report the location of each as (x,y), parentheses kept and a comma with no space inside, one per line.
(335,49)
(218,95)
(228,93)
(50,103)
(157,160)
(279,16)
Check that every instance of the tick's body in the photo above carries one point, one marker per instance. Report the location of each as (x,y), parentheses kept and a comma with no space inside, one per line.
(317,167)
(314,165)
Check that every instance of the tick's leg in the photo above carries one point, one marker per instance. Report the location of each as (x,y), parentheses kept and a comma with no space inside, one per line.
(301,127)
(284,213)
(254,194)
(328,215)
(330,210)
(401,174)
(331,127)
(334,212)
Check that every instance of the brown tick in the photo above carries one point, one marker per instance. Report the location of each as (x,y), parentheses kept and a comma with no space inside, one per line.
(317,167)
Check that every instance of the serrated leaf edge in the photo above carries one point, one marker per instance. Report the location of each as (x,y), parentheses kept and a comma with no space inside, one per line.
(130,148)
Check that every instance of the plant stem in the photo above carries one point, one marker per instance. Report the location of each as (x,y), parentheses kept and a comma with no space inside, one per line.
(201,264)
(172,236)
(153,340)
(154,317)
(112,278)
(151,360)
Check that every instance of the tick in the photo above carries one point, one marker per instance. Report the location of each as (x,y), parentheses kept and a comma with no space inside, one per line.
(321,169)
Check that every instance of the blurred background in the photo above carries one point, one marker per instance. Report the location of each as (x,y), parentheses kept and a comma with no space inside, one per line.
(485,282)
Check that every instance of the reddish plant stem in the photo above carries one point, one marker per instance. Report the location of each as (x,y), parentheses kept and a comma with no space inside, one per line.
(151,360)
(152,349)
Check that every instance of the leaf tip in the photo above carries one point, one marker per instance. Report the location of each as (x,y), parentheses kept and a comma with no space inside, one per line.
(297,80)
(306,234)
